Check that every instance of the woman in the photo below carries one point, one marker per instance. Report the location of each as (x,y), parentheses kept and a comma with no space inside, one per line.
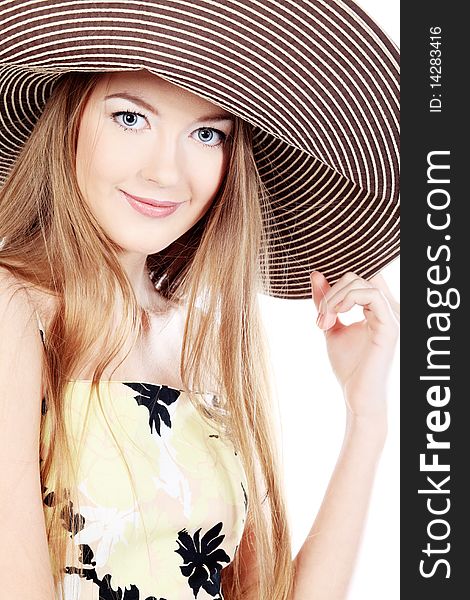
(138,325)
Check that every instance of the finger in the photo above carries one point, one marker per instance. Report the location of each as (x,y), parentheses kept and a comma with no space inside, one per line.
(327,317)
(376,309)
(356,284)
(339,289)
(331,320)
(320,287)
(379,281)
(325,292)
(342,283)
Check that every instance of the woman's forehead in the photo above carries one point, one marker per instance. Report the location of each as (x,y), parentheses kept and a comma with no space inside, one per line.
(148,85)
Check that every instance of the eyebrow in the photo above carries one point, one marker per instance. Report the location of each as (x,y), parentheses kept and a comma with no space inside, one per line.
(141,102)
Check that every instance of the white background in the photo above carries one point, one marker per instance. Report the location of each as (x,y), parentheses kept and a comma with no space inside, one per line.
(312,417)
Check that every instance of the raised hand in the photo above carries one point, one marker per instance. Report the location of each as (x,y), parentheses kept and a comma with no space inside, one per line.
(361,353)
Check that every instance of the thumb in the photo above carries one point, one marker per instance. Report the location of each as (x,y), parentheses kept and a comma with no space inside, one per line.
(320,287)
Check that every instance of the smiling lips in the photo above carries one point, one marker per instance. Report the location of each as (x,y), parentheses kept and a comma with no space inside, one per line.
(149,207)
(161,203)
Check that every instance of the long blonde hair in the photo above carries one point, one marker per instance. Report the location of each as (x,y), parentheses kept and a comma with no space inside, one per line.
(52,241)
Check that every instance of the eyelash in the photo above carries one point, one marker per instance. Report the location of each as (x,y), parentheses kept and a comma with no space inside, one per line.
(133,112)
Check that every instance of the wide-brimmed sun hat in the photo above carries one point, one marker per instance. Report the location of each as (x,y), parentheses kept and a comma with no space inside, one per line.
(318,80)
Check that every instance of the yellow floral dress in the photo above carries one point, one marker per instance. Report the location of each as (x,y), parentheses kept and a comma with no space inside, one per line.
(171,539)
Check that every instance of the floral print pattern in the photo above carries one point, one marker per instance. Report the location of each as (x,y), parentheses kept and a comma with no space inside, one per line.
(168,533)
(171,539)
(203,559)
(155,397)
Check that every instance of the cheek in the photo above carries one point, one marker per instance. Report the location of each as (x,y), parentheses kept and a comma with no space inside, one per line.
(108,164)
(101,159)
(207,173)
(92,155)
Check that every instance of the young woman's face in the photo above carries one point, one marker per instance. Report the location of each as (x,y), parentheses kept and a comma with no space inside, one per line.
(145,137)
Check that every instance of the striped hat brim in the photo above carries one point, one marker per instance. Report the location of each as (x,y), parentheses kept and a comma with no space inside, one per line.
(317,80)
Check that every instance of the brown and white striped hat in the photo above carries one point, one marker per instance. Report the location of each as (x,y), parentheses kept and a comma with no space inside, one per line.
(317,79)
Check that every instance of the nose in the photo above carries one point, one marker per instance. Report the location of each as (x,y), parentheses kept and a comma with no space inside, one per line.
(162,164)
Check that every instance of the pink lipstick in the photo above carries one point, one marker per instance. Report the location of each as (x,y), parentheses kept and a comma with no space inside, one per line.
(149,207)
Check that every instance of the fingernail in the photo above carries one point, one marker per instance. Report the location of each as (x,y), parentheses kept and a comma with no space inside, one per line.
(319,317)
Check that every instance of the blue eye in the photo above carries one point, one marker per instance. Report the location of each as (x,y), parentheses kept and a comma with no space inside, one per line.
(129,120)
(208,136)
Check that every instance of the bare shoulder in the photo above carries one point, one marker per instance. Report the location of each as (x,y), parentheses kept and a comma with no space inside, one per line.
(7,279)
(35,300)
(20,342)
(20,303)
(12,295)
